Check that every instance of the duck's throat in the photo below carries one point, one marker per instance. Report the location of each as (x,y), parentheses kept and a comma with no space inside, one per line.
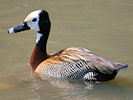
(39,53)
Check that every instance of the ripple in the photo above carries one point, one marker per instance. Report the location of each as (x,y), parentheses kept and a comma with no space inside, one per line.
(26,5)
(16,7)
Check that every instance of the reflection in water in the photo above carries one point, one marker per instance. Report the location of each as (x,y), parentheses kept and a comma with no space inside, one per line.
(79,90)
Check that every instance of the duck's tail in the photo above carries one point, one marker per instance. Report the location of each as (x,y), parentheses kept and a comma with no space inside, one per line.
(120,67)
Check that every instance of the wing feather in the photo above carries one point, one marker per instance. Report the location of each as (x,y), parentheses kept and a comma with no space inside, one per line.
(73,54)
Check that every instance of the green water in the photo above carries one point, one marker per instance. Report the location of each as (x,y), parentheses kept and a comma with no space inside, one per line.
(102,26)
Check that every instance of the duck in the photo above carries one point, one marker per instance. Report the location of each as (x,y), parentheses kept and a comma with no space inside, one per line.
(69,63)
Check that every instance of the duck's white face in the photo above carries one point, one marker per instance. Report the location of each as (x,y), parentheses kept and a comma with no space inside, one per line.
(35,21)
(32,20)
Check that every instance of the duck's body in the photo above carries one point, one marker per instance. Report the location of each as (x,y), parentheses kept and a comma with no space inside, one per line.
(78,63)
(70,63)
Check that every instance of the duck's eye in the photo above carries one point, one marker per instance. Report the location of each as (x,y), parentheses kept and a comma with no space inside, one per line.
(34,20)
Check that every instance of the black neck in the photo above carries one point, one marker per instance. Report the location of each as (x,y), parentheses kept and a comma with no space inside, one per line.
(42,43)
(44,30)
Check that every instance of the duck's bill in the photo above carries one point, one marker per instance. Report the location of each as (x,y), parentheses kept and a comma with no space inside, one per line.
(21,27)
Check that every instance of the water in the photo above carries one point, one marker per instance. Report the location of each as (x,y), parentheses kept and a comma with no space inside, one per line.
(103,26)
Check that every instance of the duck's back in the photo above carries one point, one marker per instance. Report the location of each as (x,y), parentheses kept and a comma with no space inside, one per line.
(77,63)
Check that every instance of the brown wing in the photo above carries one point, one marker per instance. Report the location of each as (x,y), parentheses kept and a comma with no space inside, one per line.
(76,54)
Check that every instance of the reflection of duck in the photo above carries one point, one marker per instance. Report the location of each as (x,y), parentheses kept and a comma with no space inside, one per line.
(72,63)
(65,89)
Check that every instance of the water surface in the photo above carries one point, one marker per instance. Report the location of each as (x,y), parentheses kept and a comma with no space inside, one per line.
(103,26)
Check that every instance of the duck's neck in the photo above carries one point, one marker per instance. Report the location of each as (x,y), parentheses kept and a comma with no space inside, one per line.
(39,53)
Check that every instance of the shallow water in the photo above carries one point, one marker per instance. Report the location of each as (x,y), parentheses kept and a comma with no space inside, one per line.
(103,26)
